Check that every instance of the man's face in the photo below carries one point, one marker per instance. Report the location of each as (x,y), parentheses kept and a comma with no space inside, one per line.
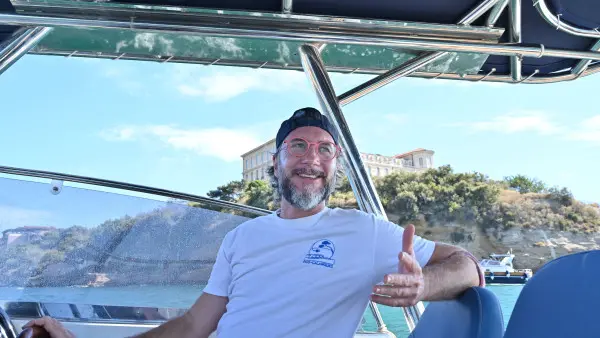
(307,180)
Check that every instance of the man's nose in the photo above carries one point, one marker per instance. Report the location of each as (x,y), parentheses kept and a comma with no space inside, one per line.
(312,154)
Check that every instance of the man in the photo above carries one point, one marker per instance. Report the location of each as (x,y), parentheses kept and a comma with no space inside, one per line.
(308,270)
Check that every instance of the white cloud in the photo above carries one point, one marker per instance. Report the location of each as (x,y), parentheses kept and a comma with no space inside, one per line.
(589,130)
(226,144)
(221,84)
(516,122)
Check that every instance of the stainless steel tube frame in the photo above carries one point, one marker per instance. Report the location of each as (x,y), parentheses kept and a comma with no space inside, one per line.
(19,44)
(281,22)
(478,11)
(412,65)
(131,187)
(514,21)
(390,76)
(582,66)
(286,6)
(495,13)
(360,180)
(300,34)
(554,20)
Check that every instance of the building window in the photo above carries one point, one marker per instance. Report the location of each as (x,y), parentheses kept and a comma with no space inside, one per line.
(421,162)
(378,173)
(247,164)
(387,171)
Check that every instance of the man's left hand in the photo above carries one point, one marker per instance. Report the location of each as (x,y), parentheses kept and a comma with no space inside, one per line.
(407,287)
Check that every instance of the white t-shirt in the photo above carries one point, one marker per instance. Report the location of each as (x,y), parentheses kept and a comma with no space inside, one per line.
(306,277)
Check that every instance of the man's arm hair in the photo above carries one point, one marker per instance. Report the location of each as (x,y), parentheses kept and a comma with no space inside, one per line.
(450,271)
(198,322)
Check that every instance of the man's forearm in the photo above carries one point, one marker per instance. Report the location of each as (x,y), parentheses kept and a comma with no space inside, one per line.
(450,277)
(178,327)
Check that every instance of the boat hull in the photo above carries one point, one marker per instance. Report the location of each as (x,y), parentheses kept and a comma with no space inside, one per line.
(506,278)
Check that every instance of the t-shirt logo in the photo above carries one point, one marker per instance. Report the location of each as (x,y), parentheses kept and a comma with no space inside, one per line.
(321,253)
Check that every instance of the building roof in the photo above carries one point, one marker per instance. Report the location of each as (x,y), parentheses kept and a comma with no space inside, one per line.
(258,147)
(418,150)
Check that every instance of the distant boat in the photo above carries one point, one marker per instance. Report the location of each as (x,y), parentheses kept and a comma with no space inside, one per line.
(498,269)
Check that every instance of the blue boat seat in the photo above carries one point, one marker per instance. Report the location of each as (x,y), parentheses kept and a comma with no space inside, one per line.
(560,300)
(475,314)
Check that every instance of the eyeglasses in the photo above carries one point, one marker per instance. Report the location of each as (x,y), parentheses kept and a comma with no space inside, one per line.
(299,147)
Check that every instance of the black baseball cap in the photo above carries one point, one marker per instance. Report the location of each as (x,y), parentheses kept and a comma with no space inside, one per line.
(305,117)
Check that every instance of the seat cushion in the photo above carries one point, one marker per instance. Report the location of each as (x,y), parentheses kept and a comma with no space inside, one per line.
(560,300)
(476,314)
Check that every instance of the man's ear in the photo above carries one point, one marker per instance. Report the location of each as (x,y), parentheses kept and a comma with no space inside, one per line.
(275,164)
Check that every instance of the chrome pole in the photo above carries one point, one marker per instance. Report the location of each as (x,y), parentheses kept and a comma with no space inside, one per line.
(554,20)
(538,79)
(178,17)
(583,64)
(359,179)
(495,13)
(19,44)
(411,65)
(302,35)
(478,11)
(286,6)
(514,11)
(389,76)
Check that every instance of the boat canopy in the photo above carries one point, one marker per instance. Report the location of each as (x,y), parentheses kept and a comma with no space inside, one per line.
(535,41)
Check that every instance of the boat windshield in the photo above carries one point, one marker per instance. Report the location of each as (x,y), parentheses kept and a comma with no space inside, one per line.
(486,166)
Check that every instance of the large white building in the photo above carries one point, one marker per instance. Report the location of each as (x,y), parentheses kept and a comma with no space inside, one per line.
(257,160)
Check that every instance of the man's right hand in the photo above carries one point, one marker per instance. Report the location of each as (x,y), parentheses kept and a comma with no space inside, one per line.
(54,328)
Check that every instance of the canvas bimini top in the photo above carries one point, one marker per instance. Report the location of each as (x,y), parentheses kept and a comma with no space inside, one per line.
(529,41)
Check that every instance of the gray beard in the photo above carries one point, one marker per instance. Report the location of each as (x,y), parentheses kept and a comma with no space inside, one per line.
(304,199)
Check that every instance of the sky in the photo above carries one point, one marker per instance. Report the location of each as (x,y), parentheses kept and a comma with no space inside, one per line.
(184,127)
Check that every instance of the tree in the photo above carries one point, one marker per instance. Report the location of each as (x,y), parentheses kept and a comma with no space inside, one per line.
(524,184)
(230,192)
(259,194)
(439,195)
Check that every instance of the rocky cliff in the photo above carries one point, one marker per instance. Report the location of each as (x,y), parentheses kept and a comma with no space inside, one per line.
(532,247)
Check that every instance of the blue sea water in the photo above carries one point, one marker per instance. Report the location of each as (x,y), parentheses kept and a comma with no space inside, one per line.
(184,296)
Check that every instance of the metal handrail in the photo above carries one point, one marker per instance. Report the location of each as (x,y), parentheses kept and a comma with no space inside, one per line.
(323,35)
(131,187)
(554,20)
(551,78)
(21,42)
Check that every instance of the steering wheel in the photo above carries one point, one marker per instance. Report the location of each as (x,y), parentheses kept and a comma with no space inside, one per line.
(34,332)
(7,329)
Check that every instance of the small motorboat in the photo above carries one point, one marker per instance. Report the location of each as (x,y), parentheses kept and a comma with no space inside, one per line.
(499,269)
